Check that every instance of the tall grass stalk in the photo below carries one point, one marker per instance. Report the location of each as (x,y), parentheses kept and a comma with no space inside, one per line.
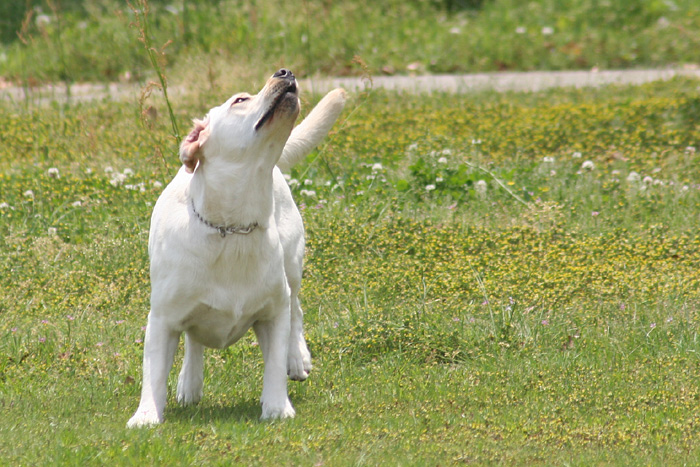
(66,71)
(25,38)
(141,9)
(497,180)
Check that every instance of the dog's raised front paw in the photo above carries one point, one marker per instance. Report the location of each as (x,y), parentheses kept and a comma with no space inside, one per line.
(299,362)
(144,418)
(273,412)
(299,367)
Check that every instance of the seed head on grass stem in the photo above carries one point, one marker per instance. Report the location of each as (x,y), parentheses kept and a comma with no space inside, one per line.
(155,56)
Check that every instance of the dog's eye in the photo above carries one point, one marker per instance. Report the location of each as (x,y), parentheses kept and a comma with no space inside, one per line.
(238,100)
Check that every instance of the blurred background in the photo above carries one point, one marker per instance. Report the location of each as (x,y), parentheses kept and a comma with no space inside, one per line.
(75,40)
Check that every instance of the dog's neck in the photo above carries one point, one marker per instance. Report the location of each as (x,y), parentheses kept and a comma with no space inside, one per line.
(232,195)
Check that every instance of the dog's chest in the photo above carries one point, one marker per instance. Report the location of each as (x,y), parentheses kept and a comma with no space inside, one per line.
(235,293)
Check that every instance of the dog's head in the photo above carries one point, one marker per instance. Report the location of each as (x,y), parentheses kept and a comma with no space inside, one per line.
(246,126)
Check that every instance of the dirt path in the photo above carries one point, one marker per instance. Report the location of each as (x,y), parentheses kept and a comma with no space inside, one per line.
(507,81)
(510,81)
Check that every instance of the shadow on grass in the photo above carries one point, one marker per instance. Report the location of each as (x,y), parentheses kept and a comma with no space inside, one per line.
(204,412)
(228,409)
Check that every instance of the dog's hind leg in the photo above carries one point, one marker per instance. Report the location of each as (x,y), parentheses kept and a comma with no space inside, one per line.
(299,357)
(158,353)
(273,337)
(191,380)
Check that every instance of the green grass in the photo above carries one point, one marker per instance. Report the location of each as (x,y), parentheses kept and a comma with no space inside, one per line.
(214,40)
(448,325)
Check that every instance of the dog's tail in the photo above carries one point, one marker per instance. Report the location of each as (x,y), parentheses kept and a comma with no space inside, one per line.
(312,130)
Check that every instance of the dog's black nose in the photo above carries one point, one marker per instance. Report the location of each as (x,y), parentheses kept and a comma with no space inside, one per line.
(283,73)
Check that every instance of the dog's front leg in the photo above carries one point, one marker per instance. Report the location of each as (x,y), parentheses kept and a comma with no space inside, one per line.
(273,338)
(299,358)
(158,353)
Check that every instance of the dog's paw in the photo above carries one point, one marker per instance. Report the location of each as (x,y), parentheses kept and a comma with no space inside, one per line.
(275,411)
(299,363)
(189,392)
(144,418)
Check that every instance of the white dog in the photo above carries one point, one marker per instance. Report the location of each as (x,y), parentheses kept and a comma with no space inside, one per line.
(226,246)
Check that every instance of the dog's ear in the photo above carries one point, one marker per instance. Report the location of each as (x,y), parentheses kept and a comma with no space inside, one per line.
(189,149)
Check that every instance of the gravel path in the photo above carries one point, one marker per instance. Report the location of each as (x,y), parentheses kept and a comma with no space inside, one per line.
(506,81)
(509,81)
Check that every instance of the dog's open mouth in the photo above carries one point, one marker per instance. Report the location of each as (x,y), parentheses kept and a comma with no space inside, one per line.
(289,91)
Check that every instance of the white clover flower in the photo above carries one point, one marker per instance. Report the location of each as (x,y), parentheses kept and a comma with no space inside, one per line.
(77,204)
(429,187)
(128,172)
(412,147)
(42,20)
(547,31)
(447,152)
(377,167)
(157,184)
(109,169)
(413,66)
(4,205)
(53,173)
(52,231)
(481,186)
(520,30)
(29,194)
(576,155)
(293,182)
(310,193)
(548,159)
(476,141)
(138,187)
(588,165)
(455,30)
(308,182)
(647,180)
(287,177)
(442,160)
(88,171)
(690,149)
(117,179)
(633,177)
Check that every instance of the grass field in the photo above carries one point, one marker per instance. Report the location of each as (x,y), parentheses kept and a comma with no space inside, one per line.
(75,40)
(549,318)
(490,278)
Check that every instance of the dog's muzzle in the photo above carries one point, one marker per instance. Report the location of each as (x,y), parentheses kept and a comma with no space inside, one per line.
(286,86)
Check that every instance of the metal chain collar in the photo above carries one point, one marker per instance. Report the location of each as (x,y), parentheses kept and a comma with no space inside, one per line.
(224,229)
